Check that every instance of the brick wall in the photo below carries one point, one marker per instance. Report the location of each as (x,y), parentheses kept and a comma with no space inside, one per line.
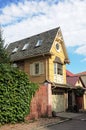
(39,104)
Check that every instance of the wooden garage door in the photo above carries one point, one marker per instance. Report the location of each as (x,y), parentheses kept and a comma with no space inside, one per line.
(58,102)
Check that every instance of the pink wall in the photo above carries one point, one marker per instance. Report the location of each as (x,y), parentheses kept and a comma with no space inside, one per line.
(39,104)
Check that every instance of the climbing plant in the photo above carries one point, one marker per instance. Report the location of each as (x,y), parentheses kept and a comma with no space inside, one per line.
(16,92)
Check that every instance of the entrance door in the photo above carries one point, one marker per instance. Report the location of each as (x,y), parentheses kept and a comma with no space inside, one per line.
(58,102)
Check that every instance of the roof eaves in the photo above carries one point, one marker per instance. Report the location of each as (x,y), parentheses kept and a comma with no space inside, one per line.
(33,56)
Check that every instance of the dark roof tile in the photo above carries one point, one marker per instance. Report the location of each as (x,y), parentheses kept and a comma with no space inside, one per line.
(32,50)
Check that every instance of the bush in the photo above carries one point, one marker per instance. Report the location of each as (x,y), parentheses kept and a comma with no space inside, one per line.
(79,91)
(16,93)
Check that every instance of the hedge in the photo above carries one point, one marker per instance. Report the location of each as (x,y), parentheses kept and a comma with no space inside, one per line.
(16,92)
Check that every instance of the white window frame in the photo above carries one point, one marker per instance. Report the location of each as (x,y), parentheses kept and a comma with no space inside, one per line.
(15,50)
(33,68)
(58,69)
(25,46)
(39,42)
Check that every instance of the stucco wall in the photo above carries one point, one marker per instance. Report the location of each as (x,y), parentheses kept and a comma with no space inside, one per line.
(39,104)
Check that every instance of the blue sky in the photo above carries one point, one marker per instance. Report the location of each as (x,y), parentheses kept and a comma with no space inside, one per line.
(23,18)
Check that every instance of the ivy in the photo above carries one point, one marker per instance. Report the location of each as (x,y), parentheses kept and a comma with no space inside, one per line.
(16,92)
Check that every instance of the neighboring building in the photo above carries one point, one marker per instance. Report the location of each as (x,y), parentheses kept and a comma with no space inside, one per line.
(75,80)
(44,57)
(81,73)
(68,73)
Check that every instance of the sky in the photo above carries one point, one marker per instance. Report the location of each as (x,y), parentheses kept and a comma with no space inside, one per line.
(23,18)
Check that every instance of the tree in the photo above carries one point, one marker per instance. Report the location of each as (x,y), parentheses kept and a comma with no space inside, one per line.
(4,58)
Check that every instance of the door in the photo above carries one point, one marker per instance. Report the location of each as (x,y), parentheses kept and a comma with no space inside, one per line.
(58,102)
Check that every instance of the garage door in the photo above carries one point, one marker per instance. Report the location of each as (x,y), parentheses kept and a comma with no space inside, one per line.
(58,102)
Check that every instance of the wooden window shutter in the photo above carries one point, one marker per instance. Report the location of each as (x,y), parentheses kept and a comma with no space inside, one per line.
(41,68)
(31,69)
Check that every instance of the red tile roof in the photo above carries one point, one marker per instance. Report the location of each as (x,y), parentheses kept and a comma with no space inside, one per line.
(81,73)
(68,73)
(72,80)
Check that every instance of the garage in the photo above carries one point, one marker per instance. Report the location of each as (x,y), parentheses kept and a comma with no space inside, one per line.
(58,102)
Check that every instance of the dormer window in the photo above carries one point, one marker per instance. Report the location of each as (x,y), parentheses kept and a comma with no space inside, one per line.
(39,42)
(25,46)
(15,50)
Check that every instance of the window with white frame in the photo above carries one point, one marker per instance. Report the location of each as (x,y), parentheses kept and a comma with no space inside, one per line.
(25,46)
(58,68)
(37,68)
(39,42)
(15,50)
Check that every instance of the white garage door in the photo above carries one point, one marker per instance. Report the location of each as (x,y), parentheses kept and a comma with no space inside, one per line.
(58,102)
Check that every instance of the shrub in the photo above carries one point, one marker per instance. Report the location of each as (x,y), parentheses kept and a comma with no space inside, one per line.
(16,92)
(79,91)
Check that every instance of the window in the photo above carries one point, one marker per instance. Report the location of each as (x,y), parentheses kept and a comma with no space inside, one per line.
(14,65)
(15,50)
(39,42)
(25,46)
(58,68)
(57,47)
(37,68)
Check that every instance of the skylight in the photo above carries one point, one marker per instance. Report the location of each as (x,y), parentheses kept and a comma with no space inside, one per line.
(15,50)
(39,42)
(25,46)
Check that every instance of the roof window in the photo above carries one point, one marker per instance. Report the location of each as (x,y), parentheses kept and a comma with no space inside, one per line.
(25,46)
(39,42)
(15,50)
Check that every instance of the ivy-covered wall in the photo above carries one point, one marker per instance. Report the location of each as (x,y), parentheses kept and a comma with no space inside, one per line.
(15,94)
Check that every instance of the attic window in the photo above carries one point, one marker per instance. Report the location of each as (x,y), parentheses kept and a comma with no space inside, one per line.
(57,46)
(15,50)
(25,46)
(39,42)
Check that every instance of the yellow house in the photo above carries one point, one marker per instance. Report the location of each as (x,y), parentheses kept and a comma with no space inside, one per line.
(44,57)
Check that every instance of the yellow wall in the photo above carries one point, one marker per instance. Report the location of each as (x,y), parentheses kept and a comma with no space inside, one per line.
(58,54)
(48,64)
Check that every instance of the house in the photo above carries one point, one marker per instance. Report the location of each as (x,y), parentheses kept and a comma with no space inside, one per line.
(68,73)
(44,57)
(75,80)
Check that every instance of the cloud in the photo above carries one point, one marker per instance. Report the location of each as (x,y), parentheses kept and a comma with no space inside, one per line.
(81,50)
(31,17)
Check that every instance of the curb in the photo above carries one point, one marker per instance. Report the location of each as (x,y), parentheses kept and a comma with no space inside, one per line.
(48,125)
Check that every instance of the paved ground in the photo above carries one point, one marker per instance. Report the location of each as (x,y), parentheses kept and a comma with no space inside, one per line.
(52,123)
(31,125)
(78,122)
(69,115)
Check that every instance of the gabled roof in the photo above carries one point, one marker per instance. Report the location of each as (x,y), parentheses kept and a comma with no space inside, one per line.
(68,73)
(83,77)
(33,50)
(72,80)
(81,73)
